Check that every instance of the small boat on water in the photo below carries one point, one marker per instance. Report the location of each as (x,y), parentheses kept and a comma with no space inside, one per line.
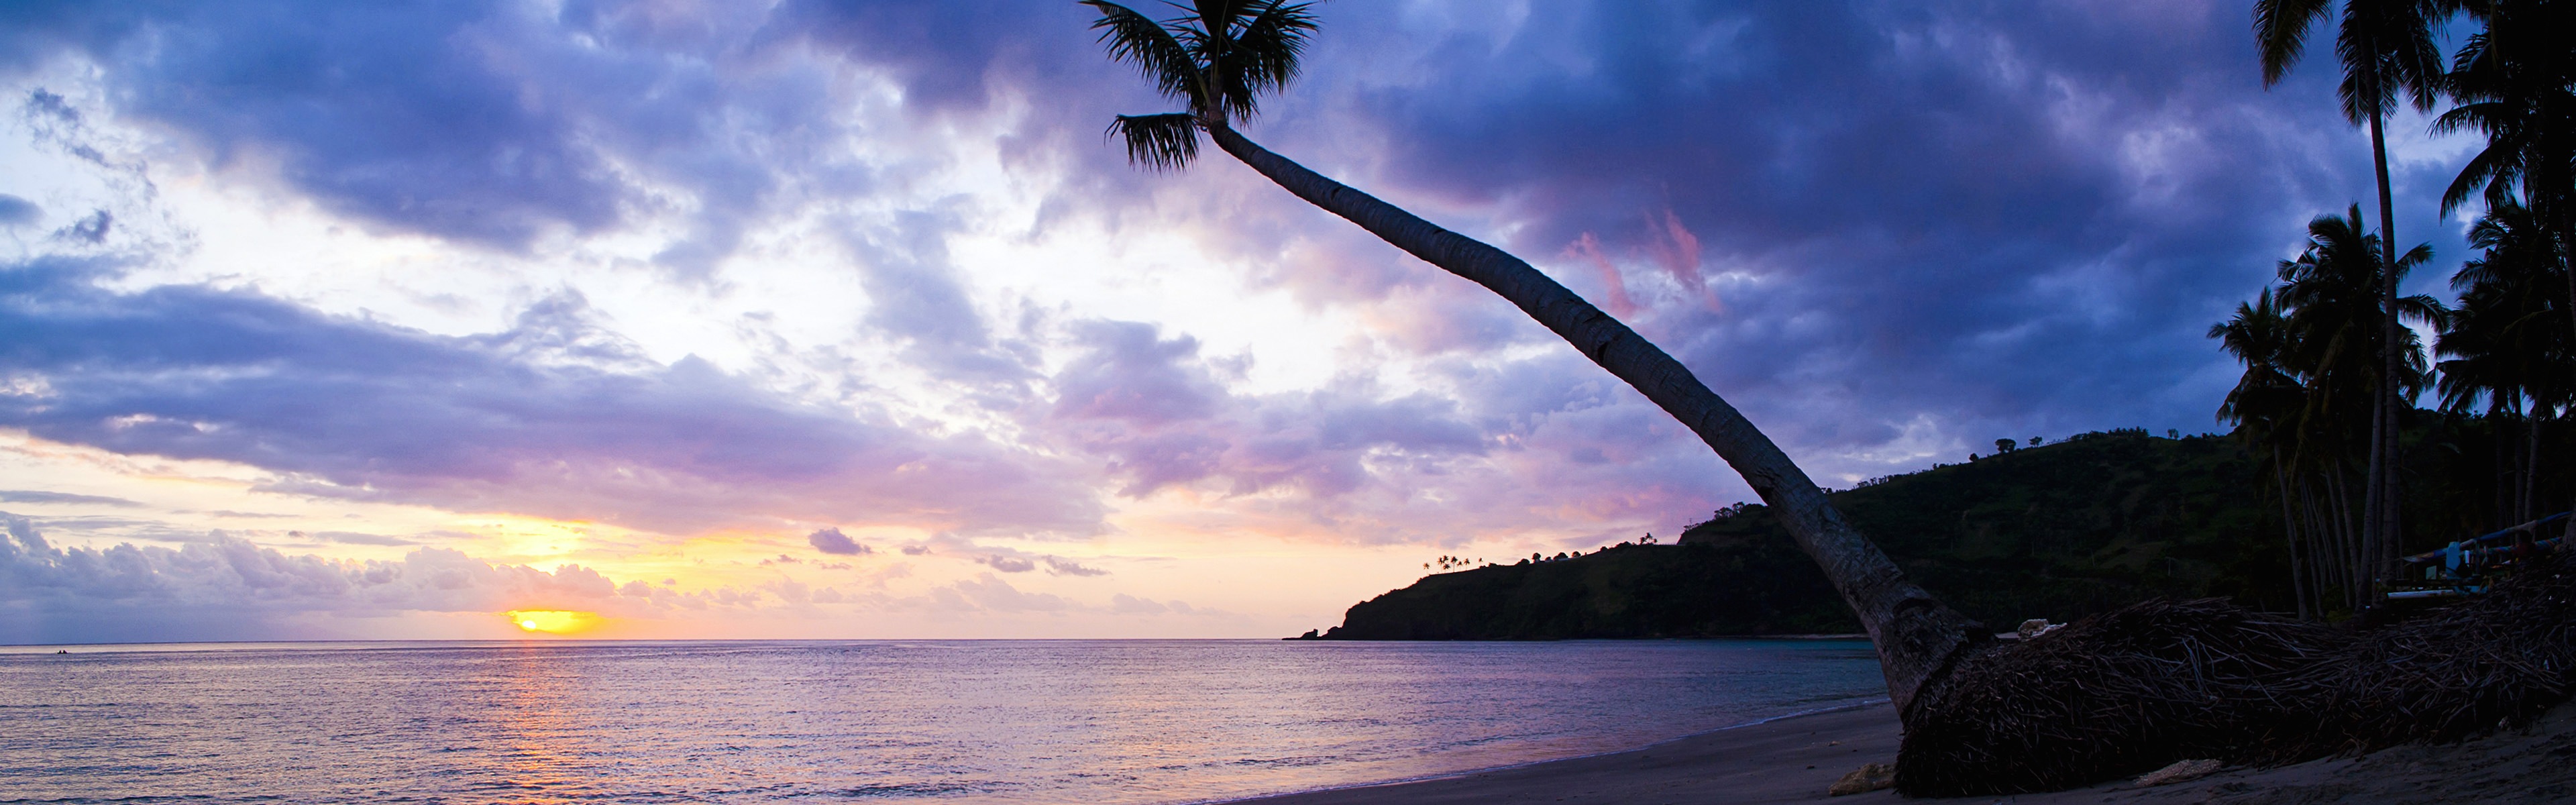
(2469,566)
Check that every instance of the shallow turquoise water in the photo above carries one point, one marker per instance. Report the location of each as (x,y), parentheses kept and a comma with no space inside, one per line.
(1094,722)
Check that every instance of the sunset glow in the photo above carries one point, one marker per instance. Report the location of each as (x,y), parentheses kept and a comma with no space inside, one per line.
(552,621)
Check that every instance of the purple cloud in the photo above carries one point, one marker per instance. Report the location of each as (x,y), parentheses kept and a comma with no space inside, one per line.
(522,420)
(832,541)
(1866,223)
(15,211)
(226,588)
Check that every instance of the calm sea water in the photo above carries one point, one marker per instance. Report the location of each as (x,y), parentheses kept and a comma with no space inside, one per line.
(1092,722)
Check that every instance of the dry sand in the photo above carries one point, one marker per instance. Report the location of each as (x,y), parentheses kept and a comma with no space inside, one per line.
(1796,759)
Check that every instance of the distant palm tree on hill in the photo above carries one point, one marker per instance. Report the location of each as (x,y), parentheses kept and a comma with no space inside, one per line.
(1220,57)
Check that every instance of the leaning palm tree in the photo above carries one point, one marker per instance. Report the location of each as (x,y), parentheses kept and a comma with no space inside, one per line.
(2386,47)
(1219,57)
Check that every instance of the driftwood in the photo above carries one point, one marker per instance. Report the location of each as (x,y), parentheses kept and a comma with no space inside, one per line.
(2136,689)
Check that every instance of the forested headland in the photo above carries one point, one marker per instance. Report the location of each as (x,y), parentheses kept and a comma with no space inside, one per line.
(2057,530)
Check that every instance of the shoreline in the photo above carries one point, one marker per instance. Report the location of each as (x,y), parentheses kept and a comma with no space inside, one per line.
(1761,761)
(1797,757)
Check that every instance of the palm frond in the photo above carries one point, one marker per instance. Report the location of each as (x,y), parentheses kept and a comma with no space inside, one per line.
(1161,142)
(1152,47)
(1218,17)
(1266,54)
(2281,30)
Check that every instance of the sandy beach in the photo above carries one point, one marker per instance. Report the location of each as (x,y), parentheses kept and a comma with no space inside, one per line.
(1797,759)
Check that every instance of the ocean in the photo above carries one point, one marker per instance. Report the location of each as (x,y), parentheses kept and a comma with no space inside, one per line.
(1096,722)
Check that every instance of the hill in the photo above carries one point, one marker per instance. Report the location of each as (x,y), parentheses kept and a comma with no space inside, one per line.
(2057,531)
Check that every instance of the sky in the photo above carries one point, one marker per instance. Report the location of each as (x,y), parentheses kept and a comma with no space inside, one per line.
(844,319)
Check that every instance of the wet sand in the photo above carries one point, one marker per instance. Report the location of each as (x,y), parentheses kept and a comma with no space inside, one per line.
(1797,759)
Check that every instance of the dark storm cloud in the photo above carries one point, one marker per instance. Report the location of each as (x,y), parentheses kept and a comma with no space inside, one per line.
(1985,213)
(525,420)
(949,57)
(426,117)
(479,121)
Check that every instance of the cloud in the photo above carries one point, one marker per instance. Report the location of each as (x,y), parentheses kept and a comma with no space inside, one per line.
(1985,215)
(1059,566)
(34,496)
(1009,564)
(1125,604)
(15,211)
(987,593)
(91,230)
(355,538)
(1163,418)
(226,588)
(914,296)
(502,124)
(832,541)
(1885,231)
(525,420)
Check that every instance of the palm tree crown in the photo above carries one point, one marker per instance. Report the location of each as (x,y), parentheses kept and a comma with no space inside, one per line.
(2507,340)
(2515,83)
(2331,295)
(1218,59)
(2386,47)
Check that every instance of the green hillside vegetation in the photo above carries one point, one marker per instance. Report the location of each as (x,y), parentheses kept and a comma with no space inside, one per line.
(2057,531)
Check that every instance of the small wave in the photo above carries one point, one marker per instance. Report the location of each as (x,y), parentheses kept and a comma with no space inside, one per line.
(887,790)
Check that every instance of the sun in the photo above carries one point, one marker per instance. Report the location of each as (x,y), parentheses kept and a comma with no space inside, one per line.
(552,621)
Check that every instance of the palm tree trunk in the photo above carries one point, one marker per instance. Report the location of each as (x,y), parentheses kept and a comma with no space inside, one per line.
(2290,531)
(2531,467)
(2562,205)
(2321,553)
(2379,528)
(2507,465)
(1917,636)
(2352,558)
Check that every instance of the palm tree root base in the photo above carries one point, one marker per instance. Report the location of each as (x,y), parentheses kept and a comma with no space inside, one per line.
(2133,690)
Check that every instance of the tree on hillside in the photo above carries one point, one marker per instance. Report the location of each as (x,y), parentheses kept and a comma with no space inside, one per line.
(2386,47)
(1220,57)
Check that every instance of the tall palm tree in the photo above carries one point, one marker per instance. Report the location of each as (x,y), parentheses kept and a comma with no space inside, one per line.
(2331,303)
(1219,57)
(2264,406)
(2508,340)
(2515,82)
(2386,47)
